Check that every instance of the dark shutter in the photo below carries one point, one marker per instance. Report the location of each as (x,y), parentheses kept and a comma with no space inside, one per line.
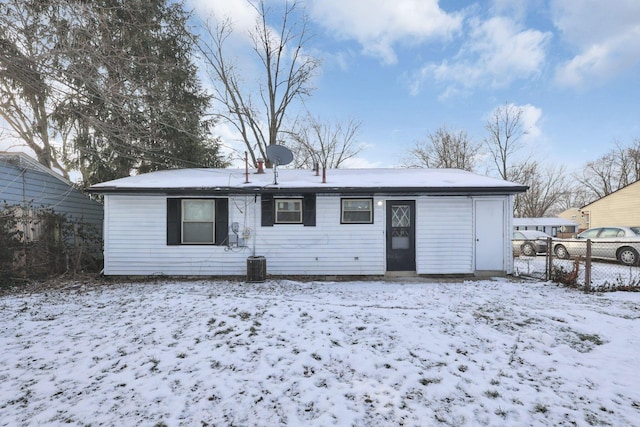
(267,210)
(309,210)
(173,221)
(222,221)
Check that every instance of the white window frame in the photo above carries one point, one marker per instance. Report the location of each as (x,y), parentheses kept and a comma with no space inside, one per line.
(277,211)
(184,221)
(343,210)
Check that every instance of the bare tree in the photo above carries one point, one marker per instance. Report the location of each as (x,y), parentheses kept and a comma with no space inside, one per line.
(445,149)
(506,129)
(574,197)
(113,84)
(29,86)
(286,73)
(612,171)
(328,145)
(547,186)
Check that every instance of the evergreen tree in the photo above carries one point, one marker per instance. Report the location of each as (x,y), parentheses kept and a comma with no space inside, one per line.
(127,96)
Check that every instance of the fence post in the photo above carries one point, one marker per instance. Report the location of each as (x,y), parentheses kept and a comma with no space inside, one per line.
(587,268)
(549,260)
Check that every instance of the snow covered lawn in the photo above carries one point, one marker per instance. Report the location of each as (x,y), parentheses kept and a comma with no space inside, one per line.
(490,352)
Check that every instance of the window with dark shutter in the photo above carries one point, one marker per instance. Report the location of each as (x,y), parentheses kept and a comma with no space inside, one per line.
(174,222)
(309,210)
(197,221)
(267,210)
(222,221)
(286,210)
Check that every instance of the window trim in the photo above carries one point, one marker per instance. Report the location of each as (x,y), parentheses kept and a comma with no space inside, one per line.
(184,221)
(220,224)
(300,203)
(342,210)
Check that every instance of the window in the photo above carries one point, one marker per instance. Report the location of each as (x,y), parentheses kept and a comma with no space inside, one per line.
(611,232)
(356,211)
(296,209)
(589,234)
(197,221)
(288,211)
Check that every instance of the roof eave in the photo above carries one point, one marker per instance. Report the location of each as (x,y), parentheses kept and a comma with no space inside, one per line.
(271,189)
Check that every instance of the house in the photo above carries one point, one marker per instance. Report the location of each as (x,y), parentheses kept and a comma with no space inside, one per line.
(28,184)
(574,214)
(347,222)
(555,227)
(622,207)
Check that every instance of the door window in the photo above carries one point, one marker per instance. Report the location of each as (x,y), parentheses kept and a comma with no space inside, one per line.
(400,223)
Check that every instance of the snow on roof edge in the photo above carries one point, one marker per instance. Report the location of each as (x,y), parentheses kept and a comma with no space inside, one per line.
(391,178)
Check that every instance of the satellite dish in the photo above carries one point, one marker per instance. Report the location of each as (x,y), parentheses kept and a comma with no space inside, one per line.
(279,155)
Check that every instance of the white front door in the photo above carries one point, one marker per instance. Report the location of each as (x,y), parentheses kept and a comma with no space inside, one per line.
(489,231)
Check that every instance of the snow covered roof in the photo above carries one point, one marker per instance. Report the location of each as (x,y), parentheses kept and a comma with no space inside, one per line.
(337,180)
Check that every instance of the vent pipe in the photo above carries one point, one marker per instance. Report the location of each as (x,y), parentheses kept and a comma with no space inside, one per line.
(260,166)
(246,167)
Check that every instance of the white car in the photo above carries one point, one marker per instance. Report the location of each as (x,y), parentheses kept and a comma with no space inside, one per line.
(620,244)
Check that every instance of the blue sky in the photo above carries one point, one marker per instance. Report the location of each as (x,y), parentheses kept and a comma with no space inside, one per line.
(407,67)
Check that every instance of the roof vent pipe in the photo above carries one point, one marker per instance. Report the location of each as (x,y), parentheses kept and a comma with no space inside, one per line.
(316,168)
(324,175)
(260,166)
(246,167)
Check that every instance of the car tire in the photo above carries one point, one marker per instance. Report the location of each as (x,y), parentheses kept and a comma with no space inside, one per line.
(561,252)
(628,256)
(528,249)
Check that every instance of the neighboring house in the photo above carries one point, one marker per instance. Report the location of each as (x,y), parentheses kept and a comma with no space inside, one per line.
(574,214)
(357,222)
(26,183)
(622,207)
(555,227)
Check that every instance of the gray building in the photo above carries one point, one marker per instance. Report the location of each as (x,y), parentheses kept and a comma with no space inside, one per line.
(26,183)
(555,227)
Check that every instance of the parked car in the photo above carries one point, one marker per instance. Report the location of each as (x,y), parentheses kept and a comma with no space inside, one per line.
(529,242)
(620,244)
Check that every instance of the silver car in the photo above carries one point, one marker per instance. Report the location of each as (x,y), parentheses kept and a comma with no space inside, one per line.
(621,244)
(529,242)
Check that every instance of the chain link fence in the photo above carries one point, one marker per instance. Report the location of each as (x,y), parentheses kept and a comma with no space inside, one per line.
(586,264)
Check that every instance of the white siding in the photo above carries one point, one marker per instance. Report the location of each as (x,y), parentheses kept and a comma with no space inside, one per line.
(135,240)
(328,248)
(444,235)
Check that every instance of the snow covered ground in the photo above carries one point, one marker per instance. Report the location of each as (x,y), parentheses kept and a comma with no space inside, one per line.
(414,353)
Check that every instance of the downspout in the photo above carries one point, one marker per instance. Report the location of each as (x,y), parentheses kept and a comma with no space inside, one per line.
(23,172)
(255,224)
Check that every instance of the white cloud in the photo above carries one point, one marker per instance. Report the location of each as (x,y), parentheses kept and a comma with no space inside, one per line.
(496,53)
(232,144)
(378,25)
(241,13)
(605,35)
(360,163)
(530,116)
(531,119)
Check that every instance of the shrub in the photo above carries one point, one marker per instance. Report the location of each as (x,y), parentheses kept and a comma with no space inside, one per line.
(40,244)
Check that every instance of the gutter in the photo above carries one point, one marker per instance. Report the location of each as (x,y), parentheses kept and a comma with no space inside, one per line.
(212,191)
